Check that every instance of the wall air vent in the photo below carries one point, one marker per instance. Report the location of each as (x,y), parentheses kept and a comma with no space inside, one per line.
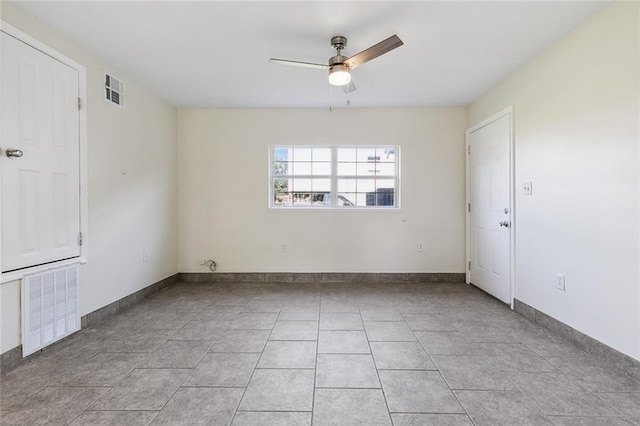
(114,90)
(49,307)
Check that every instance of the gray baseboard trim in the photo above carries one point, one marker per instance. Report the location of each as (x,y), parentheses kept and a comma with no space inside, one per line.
(13,357)
(126,302)
(323,277)
(10,359)
(590,345)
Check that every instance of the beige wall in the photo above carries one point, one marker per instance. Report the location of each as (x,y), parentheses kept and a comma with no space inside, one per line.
(127,212)
(223,163)
(576,110)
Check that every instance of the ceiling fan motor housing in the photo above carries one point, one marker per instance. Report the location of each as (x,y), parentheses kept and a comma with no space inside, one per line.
(338,42)
(336,60)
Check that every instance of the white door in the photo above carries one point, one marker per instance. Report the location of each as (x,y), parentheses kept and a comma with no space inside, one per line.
(490,207)
(40,189)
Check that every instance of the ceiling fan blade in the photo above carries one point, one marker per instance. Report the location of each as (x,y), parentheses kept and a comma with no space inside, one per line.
(374,51)
(349,87)
(298,64)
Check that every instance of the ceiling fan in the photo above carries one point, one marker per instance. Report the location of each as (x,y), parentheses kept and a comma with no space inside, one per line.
(340,66)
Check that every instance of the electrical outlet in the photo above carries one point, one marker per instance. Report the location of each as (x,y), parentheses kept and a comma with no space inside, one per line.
(283,248)
(145,256)
(202,260)
(560,282)
(419,247)
(527,188)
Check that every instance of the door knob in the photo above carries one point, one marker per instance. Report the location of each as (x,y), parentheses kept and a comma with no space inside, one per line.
(505,224)
(13,153)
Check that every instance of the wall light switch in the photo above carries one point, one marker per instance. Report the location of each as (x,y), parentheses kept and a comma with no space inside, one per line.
(419,247)
(527,188)
(145,256)
(560,283)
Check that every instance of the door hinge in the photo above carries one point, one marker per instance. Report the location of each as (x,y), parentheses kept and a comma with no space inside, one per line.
(469,207)
(469,266)
(79,104)
(469,149)
(80,238)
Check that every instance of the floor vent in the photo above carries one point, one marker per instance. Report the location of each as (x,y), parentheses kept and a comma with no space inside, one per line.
(49,307)
(114,90)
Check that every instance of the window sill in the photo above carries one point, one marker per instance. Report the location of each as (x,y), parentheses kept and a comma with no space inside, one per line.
(337,209)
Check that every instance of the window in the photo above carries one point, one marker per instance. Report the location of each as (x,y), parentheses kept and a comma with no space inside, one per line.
(334,177)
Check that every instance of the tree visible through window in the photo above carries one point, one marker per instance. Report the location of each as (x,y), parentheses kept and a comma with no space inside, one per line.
(338,176)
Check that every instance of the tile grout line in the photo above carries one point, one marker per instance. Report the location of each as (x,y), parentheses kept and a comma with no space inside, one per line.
(438,370)
(89,405)
(384,395)
(315,373)
(257,362)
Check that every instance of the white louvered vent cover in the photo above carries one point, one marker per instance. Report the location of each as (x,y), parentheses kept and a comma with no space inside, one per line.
(49,307)
(114,90)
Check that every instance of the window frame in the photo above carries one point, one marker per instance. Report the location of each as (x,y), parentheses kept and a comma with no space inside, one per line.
(334,177)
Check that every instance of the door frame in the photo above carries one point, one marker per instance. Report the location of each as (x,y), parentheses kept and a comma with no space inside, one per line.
(512,234)
(82,122)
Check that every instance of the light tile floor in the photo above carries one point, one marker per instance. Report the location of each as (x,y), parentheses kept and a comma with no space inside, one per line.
(321,354)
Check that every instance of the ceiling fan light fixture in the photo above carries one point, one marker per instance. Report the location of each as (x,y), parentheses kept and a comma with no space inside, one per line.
(339,75)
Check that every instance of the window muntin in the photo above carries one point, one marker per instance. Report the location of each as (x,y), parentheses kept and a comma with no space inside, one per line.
(334,176)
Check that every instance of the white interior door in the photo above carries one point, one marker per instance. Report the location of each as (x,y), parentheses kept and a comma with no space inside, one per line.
(490,207)
(40,188)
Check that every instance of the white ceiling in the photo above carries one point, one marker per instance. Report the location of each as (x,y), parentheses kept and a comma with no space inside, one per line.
(215,54)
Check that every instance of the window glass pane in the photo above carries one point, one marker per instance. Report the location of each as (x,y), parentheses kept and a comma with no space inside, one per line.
(366,154)
(386,169)
(281,154)
(322,154)
(346,154)
(301,185)
(281,194)
(321,185)
(321,169)
(385,184)
(361,200)
(301,199)
(346,199)
(321,199)
(301,154)
(281,168)
(347,169)
(302,168)
(366,185)
(346,185)
(386,154)
(367,169)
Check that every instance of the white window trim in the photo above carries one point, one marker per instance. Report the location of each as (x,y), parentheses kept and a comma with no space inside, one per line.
(82,116)
(334,181)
